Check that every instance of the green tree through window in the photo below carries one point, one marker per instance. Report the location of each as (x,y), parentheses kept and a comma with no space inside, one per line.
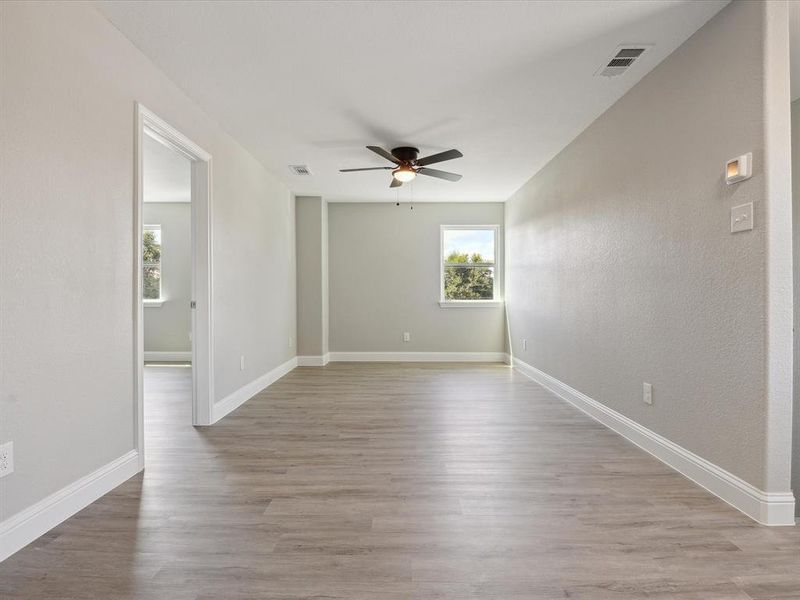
(468,277)
(151,261)
(468,265)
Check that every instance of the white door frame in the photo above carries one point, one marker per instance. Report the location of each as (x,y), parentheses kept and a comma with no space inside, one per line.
(148,123)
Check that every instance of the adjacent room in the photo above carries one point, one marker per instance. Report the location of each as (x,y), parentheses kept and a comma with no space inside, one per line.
(166,282)
(401,300)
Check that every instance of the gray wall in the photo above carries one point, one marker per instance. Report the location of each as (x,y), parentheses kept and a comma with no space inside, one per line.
(384,280)
(622,268)
(312,275)
(167,327)
(66,244)
(326,329)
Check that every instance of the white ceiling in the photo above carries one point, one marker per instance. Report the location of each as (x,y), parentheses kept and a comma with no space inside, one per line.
(507,83)
(166,173)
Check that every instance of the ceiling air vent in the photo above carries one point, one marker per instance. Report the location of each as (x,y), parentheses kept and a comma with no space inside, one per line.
(622,59)
(302,170)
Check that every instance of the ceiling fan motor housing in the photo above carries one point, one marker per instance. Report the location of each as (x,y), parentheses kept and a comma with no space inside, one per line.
(405,153)
(408,165)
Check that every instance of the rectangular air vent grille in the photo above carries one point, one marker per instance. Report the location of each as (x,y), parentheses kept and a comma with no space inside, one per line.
(622,59)
(620,62)
(629,53)
(302,170)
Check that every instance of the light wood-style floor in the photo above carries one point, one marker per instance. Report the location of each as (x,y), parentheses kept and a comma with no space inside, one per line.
(390,482)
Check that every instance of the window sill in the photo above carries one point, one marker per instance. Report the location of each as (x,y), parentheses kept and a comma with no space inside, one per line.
(470,303)
(153,303)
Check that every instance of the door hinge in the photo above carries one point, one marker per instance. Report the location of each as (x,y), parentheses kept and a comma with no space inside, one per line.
(193,304)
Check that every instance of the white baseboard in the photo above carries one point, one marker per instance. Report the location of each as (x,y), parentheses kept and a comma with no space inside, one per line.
(21,529)
(419,357)
(313,361)
(247,391)
(768,508)
(153,356)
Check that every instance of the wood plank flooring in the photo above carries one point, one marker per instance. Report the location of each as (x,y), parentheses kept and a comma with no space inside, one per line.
(406,481)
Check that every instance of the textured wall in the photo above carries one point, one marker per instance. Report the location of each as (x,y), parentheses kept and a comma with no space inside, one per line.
(384,280)
(622,267)
(326,329)
(67,94)
(312,324)
(167,327)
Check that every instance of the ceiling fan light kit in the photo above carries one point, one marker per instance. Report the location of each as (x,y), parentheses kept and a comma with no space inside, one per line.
(404,174)
(409,166)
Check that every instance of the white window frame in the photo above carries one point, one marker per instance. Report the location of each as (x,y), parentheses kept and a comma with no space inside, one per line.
(496,300)
(154,302)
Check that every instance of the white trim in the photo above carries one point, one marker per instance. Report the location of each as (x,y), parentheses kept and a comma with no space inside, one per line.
(21,529)
(171,201)
(138,300)
(152,303)
(777,163)
(763,507)
(150,124)
(156,356)
(471,303)
(371,200)
(161,131)
(313,361)
(494,357)
(247,391)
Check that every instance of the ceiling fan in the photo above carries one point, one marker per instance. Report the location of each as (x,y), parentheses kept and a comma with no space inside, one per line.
(407,165)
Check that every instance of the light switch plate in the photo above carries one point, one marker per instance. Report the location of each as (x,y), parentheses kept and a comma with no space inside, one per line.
(742,217)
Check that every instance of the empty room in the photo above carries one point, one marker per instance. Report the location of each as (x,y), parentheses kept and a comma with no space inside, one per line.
(399,299)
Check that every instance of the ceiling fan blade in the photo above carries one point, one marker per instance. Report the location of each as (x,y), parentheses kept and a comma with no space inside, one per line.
(381,152)
(365,169)
(439,174)
(441,157)
(395,183)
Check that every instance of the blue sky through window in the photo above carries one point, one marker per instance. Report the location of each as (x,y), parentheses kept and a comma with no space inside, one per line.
(470,241)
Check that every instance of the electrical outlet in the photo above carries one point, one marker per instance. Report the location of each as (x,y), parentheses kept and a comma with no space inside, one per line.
(291,342)
(6,459)
(647,393)
(524,344)
(406,336)
(241,363)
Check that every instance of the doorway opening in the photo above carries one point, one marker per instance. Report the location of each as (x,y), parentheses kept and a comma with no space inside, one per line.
(172,320)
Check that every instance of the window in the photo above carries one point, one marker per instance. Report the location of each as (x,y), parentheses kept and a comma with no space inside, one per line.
(469,263)
(151,263)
